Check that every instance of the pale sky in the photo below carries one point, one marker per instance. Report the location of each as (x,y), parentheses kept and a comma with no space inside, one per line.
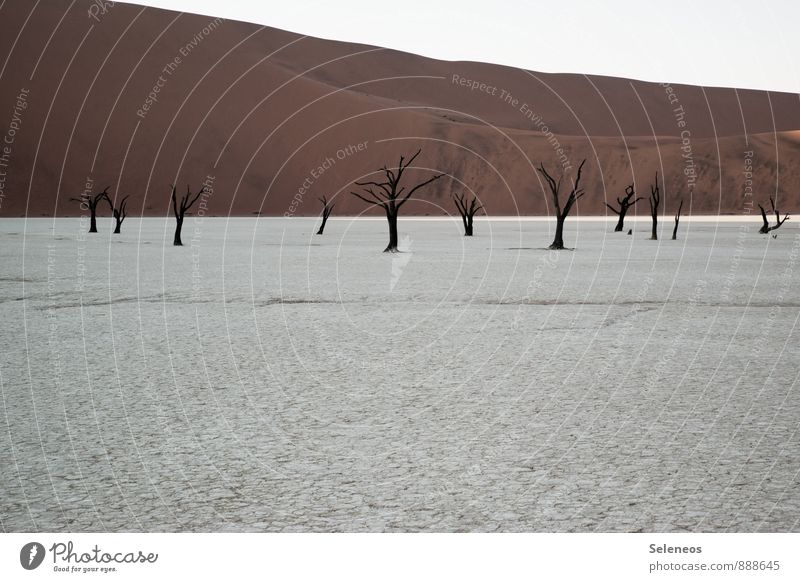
(729,43)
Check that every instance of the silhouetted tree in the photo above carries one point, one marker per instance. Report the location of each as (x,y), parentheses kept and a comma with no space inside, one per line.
(91,201)
(561,213)
(766,227)
(625,204)
(467,211)
(180,210)
(120,213)
(390,196)
(677,219)
(327,208)
(655,200)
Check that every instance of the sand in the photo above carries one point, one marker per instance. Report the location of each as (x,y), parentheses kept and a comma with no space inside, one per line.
(138,99)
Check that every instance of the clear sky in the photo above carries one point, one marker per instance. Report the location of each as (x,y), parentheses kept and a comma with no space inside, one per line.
(730,43)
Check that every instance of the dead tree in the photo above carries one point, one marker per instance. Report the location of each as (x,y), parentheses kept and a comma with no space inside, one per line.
(390,196)
(677,219)
(120,213)
(655,200)
(561,213)
(327,208)
(625,204)
(467,211)
(766,227)
(91,201)
(180,210)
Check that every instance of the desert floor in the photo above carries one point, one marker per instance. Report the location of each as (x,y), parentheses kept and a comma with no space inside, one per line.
(262,378)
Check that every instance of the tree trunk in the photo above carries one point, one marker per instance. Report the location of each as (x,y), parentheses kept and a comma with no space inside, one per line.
(558,241)
(118,226)
(620,222)
(675,231)
(93,222)
(391,217)
(654,235)
(178,225)
(468,226)
(322,226)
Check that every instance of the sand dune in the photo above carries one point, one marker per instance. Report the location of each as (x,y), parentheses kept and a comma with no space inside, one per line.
(139,98)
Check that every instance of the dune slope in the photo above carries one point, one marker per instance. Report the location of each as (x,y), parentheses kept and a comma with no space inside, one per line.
(137,98)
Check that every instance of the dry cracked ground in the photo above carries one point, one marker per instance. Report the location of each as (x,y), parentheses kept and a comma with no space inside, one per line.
(262,378)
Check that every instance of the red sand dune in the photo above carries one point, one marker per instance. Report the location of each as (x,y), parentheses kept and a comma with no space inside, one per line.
(276,119)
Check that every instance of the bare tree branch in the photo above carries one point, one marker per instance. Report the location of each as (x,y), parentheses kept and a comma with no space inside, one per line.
(561,214)
(357,195)
(778,221)
(677,220)
(625,203)
(655,200)
(467,211)
(417,187)
(179,210)
(392,194)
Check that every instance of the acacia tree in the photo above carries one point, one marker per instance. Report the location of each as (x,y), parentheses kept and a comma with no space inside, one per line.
(625,204)
(390,196)
(180,210)
(120,213)
(677,219)
(655,200)
(327,208)
(766,227)
(91,201)
(467,210)
(561,213)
